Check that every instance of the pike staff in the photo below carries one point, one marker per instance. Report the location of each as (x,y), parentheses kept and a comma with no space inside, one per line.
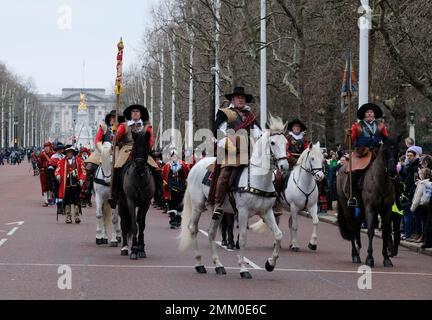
(118,91)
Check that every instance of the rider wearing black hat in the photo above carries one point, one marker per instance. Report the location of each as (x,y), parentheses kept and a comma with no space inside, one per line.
(366,135)
(229,125)
(297,143)
(137,117)
(104,134)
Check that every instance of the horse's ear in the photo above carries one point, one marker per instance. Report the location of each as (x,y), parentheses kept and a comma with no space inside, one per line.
(318,145)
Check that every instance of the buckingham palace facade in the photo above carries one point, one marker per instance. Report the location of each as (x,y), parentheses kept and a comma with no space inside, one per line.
(68,121)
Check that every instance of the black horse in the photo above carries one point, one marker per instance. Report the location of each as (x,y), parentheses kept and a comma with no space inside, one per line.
(135,194)
(378,196)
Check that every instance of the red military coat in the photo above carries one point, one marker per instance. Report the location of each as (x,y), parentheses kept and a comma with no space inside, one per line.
(43,164)
(165,174)
(64,170)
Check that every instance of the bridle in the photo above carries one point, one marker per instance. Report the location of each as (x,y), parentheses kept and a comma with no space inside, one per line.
(311,170)
(274,159)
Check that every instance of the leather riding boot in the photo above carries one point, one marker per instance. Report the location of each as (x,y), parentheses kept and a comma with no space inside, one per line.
(221,190)
(113,200)
(90,174)
(356,190)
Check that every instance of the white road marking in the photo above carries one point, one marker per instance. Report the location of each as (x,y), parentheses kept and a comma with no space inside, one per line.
(79,265)
(12,231)
(20,223)
(2,241)
(252,264)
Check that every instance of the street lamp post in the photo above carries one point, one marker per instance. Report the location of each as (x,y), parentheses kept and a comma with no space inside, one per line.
(412,124)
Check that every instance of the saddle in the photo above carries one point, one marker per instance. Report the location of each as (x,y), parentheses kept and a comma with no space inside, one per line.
(360,159)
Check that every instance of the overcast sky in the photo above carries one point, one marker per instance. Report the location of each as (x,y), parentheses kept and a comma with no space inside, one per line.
(49,40)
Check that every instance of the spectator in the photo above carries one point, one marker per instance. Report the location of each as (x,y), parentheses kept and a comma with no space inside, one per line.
(421,200)
(408,177)
(409,142)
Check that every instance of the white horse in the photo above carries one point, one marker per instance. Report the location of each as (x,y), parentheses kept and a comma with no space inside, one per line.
(104,214)
(301,194)
(255,197)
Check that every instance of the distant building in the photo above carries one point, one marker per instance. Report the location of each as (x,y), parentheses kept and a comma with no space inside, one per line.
(68,121)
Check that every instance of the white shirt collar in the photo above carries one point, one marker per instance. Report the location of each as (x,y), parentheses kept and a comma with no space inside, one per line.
(246,108)
(131,122)
(296,136)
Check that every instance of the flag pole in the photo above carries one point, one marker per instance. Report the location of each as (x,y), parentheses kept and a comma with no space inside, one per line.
(118,91)
(351,201)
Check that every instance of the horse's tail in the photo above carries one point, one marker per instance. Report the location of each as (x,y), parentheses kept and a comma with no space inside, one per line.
(259,226)
(343,223)
(185,234)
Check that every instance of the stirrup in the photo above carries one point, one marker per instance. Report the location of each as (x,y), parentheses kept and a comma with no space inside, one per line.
(352,202)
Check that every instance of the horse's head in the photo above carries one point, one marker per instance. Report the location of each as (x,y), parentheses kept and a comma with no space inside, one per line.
(277,142)
(390,153)
(311,160)
(140,149)
(106,156)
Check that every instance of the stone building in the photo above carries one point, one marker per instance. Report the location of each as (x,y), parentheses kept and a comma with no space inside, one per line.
(77,112)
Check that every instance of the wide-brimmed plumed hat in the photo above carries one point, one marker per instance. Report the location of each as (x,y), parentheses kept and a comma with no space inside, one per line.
(120,118)
(59,146)
(297,121)
(240,91)
(71,148)
(369,106)
(144,112)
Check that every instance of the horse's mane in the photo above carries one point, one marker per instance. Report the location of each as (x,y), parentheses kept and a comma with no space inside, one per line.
(314,150)
(276,124)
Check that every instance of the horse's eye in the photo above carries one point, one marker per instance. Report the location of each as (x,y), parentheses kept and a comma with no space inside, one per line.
(272,143)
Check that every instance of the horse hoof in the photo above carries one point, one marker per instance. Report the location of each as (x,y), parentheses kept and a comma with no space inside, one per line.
(133,256)
(124,252)
(312,246)
(142,255)
(269,267)
(292,248)
(356,259)
(220,270)
(118,239)
(99,241)
(113,244)
(370,262)
(388,263)
(105,241)
(200,269)
(245,275)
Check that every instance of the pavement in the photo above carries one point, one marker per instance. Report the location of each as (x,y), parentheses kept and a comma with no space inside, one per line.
(330,216)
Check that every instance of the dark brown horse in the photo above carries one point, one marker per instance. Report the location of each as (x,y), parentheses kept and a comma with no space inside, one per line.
(378,196)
